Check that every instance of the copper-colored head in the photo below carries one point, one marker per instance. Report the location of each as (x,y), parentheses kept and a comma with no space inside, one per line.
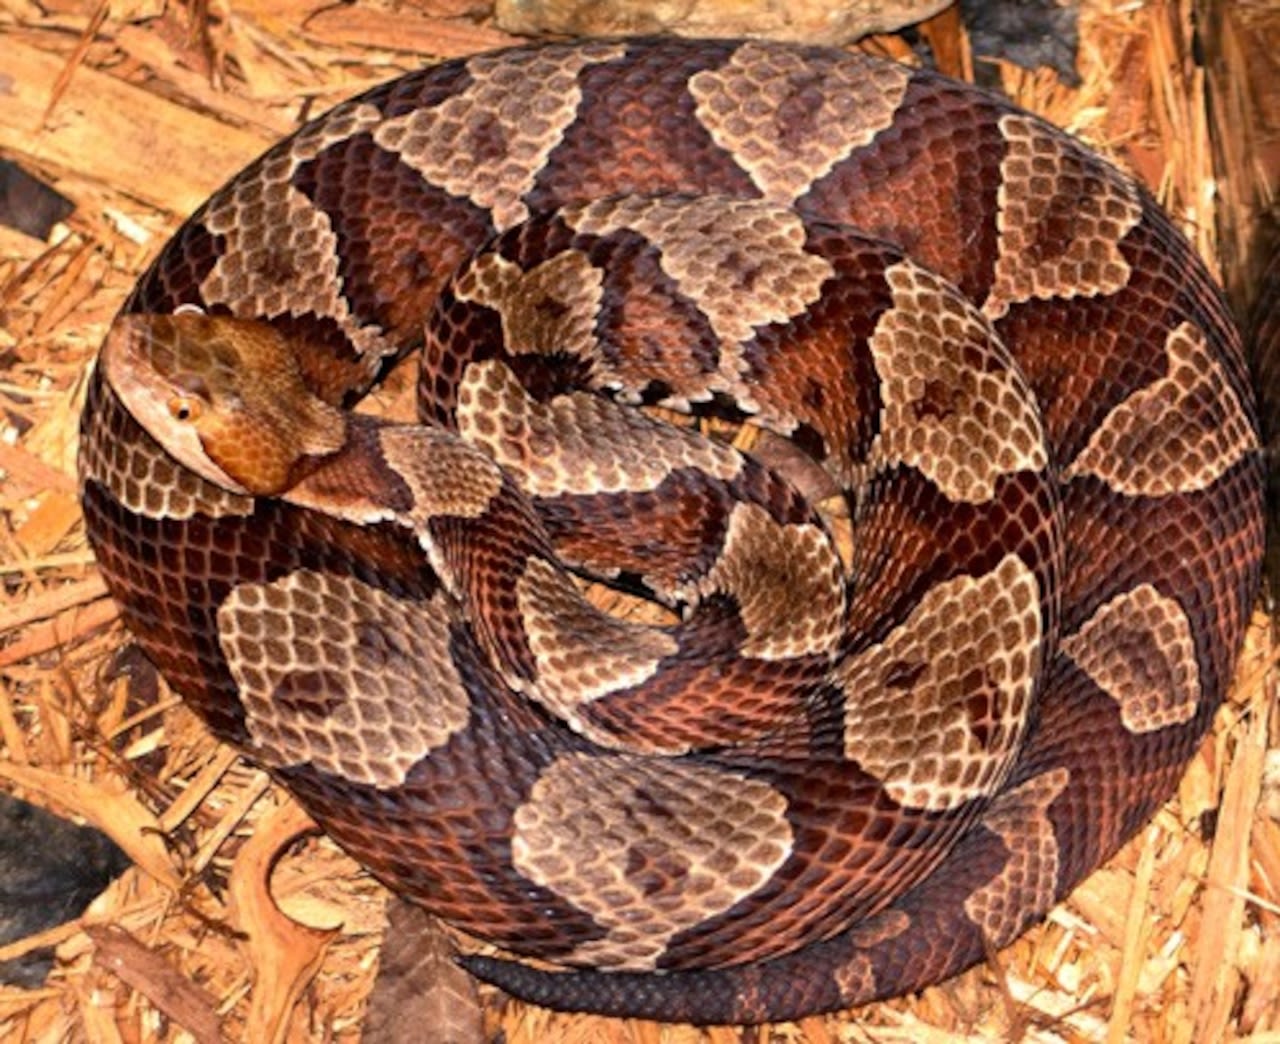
(223,396)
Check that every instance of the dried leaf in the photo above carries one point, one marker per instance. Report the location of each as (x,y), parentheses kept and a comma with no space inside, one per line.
(419,986)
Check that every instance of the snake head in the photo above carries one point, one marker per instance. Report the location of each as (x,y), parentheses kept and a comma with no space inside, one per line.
(225,397)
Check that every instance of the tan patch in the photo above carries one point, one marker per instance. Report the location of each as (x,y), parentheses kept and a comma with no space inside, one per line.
(578,443)
(954,408)
(1025,888)
(551,308)
(879,928)
(855,978)
(267,223)
(488,143)
(582,653)
(648,849)
(1139,650)
(788,118)
(338,674)
(1062,215)
(936,711)
(444,474)
(787,581)
(742,262)
(1180,434)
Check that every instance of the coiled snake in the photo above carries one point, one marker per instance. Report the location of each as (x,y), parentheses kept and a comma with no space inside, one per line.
(934,644)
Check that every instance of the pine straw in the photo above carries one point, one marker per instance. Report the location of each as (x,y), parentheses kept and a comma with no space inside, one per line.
(137,121)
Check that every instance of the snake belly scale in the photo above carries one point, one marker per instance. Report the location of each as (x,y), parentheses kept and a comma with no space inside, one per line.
(831,771)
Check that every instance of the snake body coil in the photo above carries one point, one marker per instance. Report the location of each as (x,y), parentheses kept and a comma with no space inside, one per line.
(927,650)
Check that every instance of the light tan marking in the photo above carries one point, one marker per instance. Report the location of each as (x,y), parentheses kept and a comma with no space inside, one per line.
(879,928)
(954,407)
(936,710)
(855,978)
(1025,888)
(582,653)
(787,119)
(788,583)
(551,308)
(1062,215)
(1139,650)
(267,223)
(647,849)
(488,143)
(741,261)
(1180,434)
(578,443)
(445,475)
(337,673)
(554,308)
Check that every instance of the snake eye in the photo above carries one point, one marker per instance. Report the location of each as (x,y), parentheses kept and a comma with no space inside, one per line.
(184,408)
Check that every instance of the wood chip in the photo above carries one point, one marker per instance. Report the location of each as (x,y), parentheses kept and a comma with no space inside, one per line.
(50,602)
(284,954)
(403,31)
(150,974)
(1215,988)
(143,145)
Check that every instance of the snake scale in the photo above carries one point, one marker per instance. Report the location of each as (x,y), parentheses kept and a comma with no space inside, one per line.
(924,436)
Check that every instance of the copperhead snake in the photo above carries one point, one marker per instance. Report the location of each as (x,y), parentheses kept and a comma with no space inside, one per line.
(922,654)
